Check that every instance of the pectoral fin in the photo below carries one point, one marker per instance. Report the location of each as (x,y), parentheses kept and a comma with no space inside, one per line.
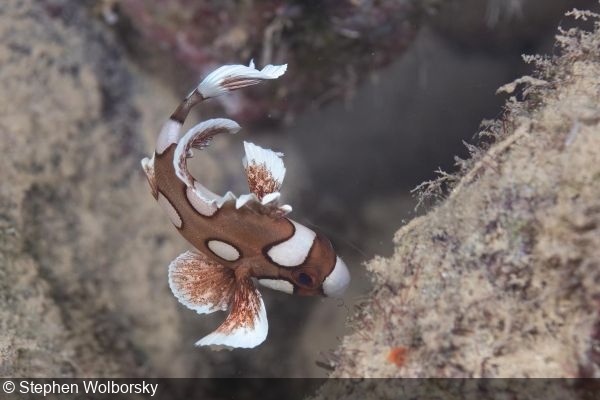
(200,283)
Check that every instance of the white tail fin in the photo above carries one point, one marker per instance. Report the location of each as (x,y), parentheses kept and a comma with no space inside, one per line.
(232,77)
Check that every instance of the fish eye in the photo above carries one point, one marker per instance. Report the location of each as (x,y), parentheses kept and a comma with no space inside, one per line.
(305,279)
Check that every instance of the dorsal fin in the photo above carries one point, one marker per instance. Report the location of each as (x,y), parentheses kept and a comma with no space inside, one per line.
(199,137)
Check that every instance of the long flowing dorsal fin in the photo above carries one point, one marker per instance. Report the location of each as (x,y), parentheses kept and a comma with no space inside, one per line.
(199,137)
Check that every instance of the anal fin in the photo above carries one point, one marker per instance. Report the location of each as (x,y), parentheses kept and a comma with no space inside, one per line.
(264,169)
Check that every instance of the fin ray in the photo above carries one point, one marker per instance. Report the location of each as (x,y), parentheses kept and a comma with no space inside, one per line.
(200,283)
(246,326)
(199,137)
(232,77)
(264,170)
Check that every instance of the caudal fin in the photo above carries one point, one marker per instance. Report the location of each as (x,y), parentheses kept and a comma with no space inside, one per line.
(232,77)
(222,80)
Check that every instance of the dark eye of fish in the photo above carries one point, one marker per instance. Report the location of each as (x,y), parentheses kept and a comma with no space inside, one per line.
(305,279)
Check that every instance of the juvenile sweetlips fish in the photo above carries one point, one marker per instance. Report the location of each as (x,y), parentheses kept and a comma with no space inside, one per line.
(238,240)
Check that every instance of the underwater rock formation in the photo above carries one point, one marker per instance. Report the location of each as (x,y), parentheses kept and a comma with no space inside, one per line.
(500,278)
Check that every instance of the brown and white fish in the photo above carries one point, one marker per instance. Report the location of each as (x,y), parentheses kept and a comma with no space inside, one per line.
(237,240)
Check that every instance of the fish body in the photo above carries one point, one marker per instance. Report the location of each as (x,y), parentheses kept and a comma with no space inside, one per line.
(237,240)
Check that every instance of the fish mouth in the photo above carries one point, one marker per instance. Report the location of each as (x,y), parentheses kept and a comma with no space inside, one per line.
(338,280)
